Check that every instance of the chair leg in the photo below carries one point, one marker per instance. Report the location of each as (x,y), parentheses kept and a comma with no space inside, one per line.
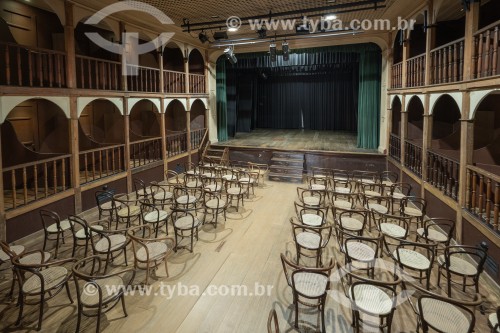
(78,319)
(57,246)
(68,292)
(21,308)
(296,303)
(123,306)
(40,315)
(98,318)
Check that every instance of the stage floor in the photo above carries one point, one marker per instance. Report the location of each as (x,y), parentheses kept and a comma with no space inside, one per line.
(298,140)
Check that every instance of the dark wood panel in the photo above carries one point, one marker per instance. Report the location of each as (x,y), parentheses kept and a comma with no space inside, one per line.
(437,208)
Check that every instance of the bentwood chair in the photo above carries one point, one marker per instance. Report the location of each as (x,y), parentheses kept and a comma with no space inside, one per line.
(186,225)
(109,243)
(414,207)
(310,241)
(39,282)
(153,216)
(309,286)
(341,202)
(272,322)
(388,178)
(53,228)
(411,256)
(437,230)
(311,216)
(141,190)
(465,262)
(236,189)
(353,221)
(397,192)
(149,252)
(128,209)
(163,194)
(311,198)
(361,253)
(97,292)
(493,321)
(261,169)
(215,204)
(105,204)
(80,229)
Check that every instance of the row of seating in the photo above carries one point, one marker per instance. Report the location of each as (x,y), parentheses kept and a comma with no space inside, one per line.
(346,207)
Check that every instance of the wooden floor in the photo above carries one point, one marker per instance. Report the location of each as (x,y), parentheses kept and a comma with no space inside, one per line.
(245,250)
(298,140)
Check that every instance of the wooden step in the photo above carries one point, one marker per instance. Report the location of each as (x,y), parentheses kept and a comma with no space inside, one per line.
(285,170)
(215,152)
(285,178)
(287,162)
(288,155)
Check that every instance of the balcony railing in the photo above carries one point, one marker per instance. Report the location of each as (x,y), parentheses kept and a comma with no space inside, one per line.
(413,158)
(99,74)
(395,147)
(145,152)
(447,63)
(175,82)
(176,144)
(443,173)
(32,67)
(37,180)
(103,162)
(397,76)
(485,56)
(197,137)
(197,84)
(147,79)
(415,71)
(482,197)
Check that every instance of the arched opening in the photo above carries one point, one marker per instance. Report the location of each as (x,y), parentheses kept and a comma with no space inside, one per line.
(173,65)
(397,47)
(145,134)
(487,134)
(196,62)
(396,116)
(35,144)
(32,51)
(446,127)
(489,13)
(415,121)
(101,141)
(86,47)
(197,119)
(175,125)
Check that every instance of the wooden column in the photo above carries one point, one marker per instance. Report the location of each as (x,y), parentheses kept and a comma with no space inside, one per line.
(207,73)
(430,41)
(404,129)
(186,70)
(207,114)
(471,26)
(75,153)
(188,128)
(163,137)
(427,140)
(466,154)
(160,62)
(3,220)
(127,144)
(123,60)
(406,55)
(69,42)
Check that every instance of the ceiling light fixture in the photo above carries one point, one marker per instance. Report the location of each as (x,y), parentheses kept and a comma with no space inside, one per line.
(330,17)
(203,37)
(232,29)
(229,52)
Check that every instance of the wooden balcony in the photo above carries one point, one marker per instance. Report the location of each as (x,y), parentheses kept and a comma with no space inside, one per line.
(99,74)
(447,63)
(103,162)
(33,181)
(397,76)
(175,82)
(197,137)
(197,84)
(145,152)
(482,198)
(395,147)
(443,173)
(415,71)
(413,158)
(143,79)
(176,144)
(32,67)
(486,52)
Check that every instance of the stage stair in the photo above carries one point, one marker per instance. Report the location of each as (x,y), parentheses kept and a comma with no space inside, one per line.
(287,167)
(215,154)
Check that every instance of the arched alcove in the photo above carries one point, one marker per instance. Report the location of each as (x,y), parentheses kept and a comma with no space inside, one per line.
(173,58)
(446,126)
(144,121)
(487,133)
(196,62)
(175,117)
(396,116)
(415,120)
(86,47)
(197,115)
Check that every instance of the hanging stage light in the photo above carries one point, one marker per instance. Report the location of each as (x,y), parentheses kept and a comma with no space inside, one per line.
(229,52)
(203,37)
(262,32)
(286,51)
(272,52)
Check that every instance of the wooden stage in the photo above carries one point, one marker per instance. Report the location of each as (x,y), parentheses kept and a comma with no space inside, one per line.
(298,140)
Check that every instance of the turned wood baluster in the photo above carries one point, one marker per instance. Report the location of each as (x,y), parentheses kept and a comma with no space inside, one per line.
(46,179)
(497,206)
(25,185)
(480,56)
(14,193)
(19,68)
(455,63)
(93,166)
(40,69)
(54,175)
(488,200)
(106,156)
(7,64)
(475,57)
(120,158)
(35,171)
(63,167)
(481,196)
(495,52)
(30,67)
(100,163)
(58,70)
(487,58)
(50,58)
(468,201)
(89,70)
(461,65)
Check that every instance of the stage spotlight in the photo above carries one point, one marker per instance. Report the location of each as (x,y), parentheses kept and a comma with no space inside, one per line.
(218,35)
(286,51)
(272,52)
(262,33)
(203,37)
(229,52)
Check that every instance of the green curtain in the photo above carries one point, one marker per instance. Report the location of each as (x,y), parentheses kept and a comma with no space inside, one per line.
(221,100)
(370,73)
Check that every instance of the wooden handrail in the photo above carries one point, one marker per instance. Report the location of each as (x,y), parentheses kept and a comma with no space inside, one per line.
(101,149)
(144,67)
(98,59)
(443,156)
(488,27)
(416,57)
(33,49)
(151,139)
(29,164)
(448,44)
(485,173)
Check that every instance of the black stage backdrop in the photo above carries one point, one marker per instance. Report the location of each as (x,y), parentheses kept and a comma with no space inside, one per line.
(321,96)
